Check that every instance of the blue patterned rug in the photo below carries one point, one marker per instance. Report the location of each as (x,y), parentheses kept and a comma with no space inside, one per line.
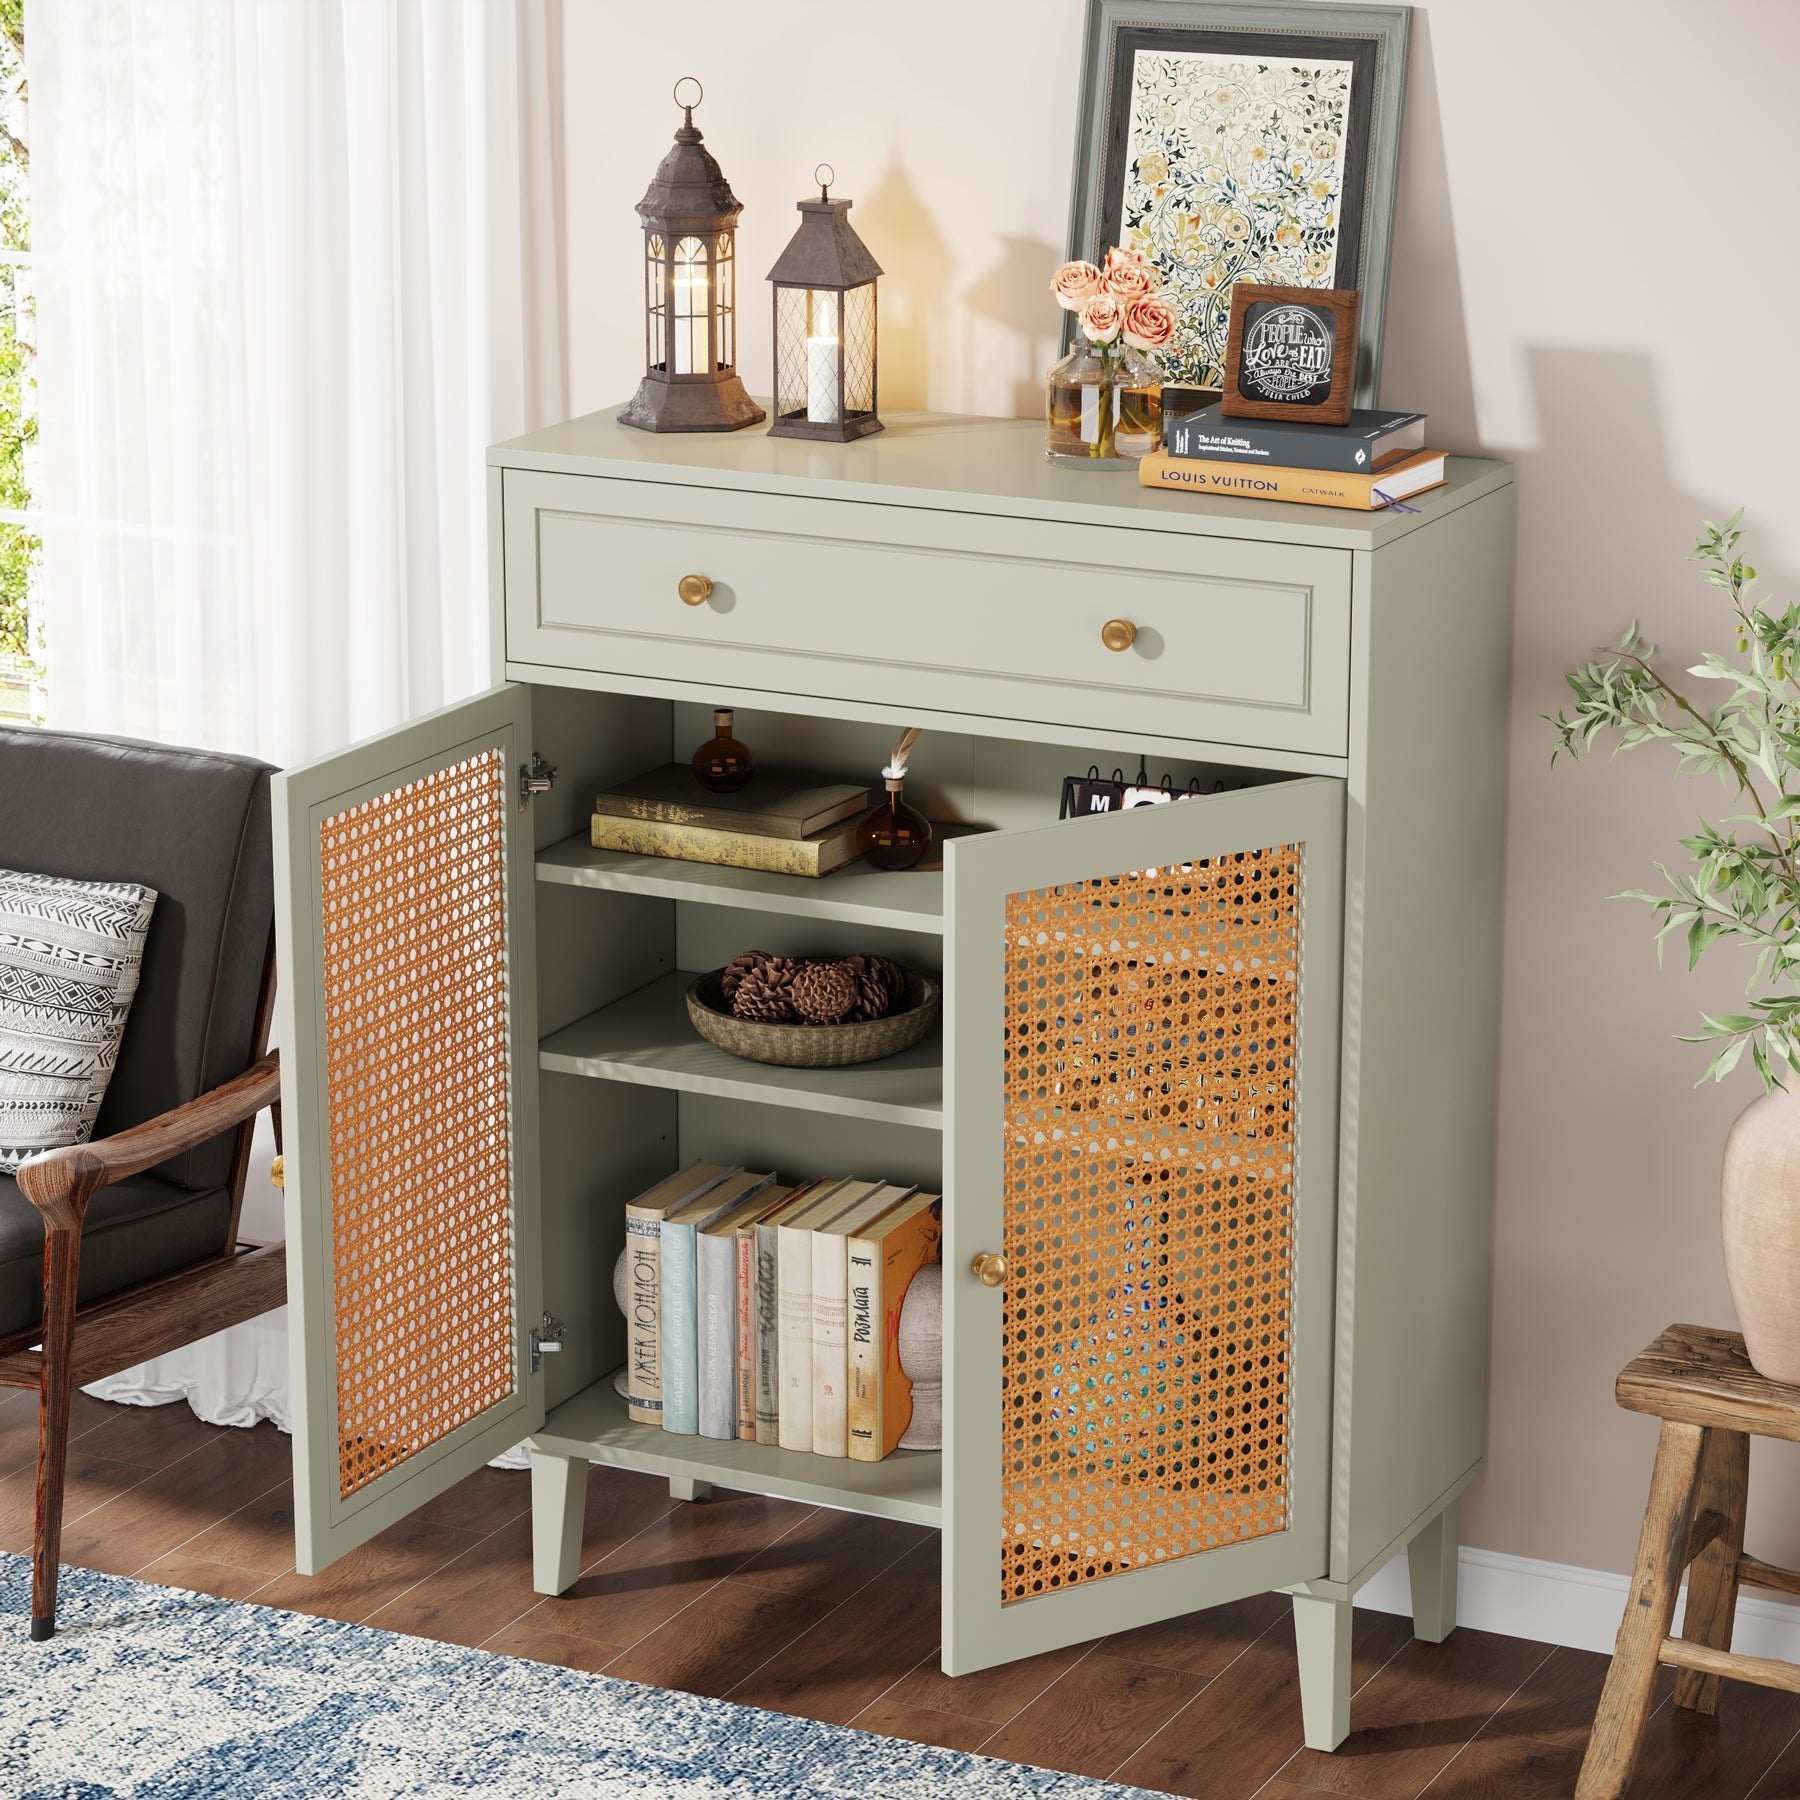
(149,1693)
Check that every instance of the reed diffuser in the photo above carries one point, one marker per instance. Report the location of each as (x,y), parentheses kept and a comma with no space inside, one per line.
(895,835)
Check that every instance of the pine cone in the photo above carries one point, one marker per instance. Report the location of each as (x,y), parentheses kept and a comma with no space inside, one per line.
(872,999)
(739,967)
(823,992)
(894,976)
(766,992)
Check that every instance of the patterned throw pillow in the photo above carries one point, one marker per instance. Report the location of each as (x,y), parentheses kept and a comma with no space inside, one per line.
(70,952)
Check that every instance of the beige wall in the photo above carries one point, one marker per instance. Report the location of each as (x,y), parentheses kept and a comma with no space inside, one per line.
(1584,182)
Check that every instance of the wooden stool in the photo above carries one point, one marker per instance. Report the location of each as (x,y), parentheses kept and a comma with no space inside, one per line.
(1711,1402)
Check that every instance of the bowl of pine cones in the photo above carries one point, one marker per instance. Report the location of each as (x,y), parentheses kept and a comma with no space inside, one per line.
(812,1012)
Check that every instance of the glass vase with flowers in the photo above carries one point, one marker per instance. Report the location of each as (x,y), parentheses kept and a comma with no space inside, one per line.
(1105,401)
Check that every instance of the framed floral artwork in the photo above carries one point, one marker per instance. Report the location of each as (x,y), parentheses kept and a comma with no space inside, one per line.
(1242,140)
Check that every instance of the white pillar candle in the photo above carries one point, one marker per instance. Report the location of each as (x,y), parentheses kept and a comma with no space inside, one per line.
(822,355)
(690,318)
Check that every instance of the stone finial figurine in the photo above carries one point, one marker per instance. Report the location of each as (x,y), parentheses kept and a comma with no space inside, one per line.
(922,1357)
(622,1299)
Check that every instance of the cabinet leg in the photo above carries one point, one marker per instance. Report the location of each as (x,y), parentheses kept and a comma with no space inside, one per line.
(685,1487)
(558,1505)
(1431,1562)
(1322,1636)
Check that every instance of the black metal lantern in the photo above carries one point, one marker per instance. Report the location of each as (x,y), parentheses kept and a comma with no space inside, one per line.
(690,293)
(824,285)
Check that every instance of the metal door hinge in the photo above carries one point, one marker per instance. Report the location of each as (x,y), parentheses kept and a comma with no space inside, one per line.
(546,1339)
(535,777)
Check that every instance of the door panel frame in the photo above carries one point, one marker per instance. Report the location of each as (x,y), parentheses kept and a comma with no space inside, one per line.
(327,1525)
(981,872)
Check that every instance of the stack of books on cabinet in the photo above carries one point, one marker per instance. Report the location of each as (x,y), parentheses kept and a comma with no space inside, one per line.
(780,824)
(769,1312)
(1376,459)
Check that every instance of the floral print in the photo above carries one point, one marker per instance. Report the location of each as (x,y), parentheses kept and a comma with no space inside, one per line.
(1234,169)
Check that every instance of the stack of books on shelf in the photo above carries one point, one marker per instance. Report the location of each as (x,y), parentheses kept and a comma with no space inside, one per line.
(770,1312)
(780,824)
(1373,461)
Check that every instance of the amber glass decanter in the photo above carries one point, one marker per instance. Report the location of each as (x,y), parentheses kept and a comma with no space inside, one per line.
(722,763)
(894,835)
(1105,406)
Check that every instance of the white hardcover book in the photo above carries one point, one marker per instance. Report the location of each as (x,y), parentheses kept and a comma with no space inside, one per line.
(643,1323)
(793,1308)
(679,1277)
(765,1299)
(716,1322)
(830,1314)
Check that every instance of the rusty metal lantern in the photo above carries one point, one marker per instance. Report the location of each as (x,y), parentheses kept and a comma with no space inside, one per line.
(690,292)
(824,284)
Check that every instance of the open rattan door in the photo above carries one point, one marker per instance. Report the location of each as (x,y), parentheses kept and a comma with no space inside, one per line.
(1142,1038)
(409,1094)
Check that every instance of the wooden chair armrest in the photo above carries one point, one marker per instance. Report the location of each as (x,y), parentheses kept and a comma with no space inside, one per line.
(59,1183)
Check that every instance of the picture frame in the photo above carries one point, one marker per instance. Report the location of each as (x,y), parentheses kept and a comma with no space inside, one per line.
(1188,92)
(1290,353)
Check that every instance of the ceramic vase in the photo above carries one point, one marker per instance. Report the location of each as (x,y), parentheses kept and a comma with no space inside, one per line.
(1760,1220)
(922,1357)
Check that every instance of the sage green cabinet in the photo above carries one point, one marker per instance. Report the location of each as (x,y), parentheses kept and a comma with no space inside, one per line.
(1215,1077)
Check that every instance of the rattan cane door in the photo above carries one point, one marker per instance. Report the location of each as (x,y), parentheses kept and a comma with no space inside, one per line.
(409,1093)
(1142,1039)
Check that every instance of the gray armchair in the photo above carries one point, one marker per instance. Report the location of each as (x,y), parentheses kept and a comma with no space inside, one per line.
(126,1247)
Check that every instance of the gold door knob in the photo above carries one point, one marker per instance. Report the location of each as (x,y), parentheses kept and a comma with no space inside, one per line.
(695,590)
(989,1268)
(1118,634)
(278,1171)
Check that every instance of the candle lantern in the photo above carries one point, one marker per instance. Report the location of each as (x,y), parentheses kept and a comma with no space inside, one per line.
(824,287)
(690,292)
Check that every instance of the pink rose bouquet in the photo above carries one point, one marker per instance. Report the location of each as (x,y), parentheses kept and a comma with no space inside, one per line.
(1119,309)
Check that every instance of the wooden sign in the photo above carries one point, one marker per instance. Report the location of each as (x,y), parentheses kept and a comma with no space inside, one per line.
(1291,353)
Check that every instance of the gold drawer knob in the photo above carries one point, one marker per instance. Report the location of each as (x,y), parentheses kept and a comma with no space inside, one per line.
(1118,634)
(989,1268)
(695,590)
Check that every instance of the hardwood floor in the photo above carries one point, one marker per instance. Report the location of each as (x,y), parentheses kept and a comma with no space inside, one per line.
(835,1617)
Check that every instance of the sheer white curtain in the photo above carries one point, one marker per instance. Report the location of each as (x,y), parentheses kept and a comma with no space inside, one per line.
(297,266)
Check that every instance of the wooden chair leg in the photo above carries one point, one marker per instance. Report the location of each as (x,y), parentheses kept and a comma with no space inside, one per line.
(62,1252)
(1649,1611)
(1723,1487)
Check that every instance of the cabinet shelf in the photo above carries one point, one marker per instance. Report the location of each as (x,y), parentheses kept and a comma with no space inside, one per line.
(648,1038)
(594,1423)
(857,894)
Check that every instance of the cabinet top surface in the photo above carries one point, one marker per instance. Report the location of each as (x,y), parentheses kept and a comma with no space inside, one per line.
(954,463)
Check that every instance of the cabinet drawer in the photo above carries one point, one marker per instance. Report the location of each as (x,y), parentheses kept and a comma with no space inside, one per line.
(1237,642)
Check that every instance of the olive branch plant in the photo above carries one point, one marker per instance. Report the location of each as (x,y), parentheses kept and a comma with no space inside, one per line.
(1744,885)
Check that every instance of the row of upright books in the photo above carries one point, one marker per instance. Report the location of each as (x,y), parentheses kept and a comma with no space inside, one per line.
(1372,461)
(770,1312)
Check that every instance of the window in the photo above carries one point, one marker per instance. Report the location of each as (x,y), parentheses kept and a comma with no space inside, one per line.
(21,624)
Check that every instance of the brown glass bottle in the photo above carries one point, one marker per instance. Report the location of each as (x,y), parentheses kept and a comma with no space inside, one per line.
(722,763)
(894,835)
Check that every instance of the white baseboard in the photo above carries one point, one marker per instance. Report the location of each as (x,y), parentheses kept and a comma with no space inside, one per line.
(1557,1603)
